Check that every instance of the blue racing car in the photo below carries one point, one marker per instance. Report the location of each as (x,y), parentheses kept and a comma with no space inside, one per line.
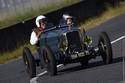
(59,45)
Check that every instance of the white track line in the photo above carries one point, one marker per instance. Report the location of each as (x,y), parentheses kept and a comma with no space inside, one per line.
(34,80)
(38,75)
(120,38)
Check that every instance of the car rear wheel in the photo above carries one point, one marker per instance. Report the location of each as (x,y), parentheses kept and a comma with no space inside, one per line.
(105,48)
(50,61)
(29,62)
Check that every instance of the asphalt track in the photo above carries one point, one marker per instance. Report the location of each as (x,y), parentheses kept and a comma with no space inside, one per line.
(96,72)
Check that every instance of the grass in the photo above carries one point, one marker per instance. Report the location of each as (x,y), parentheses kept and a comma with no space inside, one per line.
(106,15)
(29,14)
(11,55)
(92,22)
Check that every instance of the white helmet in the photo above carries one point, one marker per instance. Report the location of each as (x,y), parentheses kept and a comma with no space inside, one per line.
(38,19)
(66,16)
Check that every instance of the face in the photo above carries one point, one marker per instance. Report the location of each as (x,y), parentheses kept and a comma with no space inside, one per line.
(69,21)
(42,24)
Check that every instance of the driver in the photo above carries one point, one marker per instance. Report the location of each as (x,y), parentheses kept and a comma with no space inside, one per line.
(41,25)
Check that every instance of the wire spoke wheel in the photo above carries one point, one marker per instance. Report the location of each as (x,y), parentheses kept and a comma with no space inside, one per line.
(50,61)
(105,48)
(29,62)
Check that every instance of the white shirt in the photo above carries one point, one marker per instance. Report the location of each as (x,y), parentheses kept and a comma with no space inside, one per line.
(33,38)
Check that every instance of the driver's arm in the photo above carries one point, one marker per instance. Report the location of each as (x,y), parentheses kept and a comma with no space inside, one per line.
(33,38)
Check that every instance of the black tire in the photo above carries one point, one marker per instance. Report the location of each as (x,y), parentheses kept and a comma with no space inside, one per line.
(49,61)
(105,48)
(29,62)
(84,63)
(41,62)
(83,34)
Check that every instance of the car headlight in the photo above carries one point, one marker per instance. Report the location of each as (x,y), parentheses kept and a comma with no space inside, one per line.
(88,40)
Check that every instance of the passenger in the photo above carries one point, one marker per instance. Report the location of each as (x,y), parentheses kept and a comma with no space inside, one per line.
(67,20)
(41,25)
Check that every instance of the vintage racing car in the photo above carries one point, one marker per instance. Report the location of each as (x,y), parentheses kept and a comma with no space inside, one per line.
(58,45)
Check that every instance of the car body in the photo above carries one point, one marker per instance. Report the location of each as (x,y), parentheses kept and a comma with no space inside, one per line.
(59,45)
(55,39)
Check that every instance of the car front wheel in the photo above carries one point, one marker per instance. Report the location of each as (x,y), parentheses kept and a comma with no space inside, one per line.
(105,48)
(49,61)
